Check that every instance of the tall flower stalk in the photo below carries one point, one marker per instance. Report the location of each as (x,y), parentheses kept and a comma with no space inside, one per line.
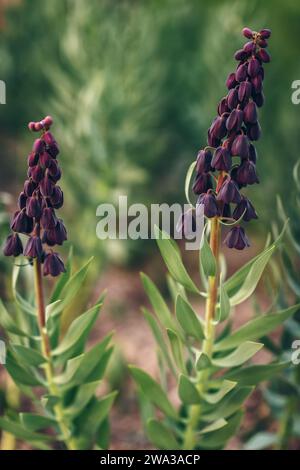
(210,366)
(38,354)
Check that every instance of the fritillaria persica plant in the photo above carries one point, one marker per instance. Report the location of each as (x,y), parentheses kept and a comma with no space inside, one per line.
(201,355)
(49,365)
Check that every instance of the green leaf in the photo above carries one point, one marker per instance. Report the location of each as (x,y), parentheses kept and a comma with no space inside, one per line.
(63,278)
(161,436)
(255,329)
(224,304)
(255,374)
(252,278)
(21,374)
(91,418)
(242,354)
(159,305)
(188,181)
(80,367)
(218,424)
(99,370)
(159,338)
(20,433)
(207,258)
(218,438)
(176,348)
(72,287)
(153,391)
(175,288)
(187,391)
(35,422)
(203,361)
(231,403)
(215,397)
(8,323)
(28,356)
(234,283)
(77,333)
(83,395)
(188,319)
(173,260)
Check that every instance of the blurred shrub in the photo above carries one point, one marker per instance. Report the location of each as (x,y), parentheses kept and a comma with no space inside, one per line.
(131,86)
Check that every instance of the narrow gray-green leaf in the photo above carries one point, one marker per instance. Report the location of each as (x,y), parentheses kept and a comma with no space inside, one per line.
(161,436)
(255,329)
(242,354)
(177,349)
(188,319)
(207,259)
(187,391)
(173,260)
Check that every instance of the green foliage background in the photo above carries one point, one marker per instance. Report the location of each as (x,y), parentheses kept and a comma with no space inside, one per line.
(133,87)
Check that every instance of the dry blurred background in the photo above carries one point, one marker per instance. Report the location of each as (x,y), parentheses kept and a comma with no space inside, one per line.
(132,87)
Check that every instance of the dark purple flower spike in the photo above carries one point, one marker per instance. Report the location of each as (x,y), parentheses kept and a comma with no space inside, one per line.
(230,158)
(37,203)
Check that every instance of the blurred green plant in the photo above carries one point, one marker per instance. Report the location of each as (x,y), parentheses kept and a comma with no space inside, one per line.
(283,392)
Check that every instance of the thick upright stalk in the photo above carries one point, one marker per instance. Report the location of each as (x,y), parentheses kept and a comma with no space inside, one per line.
(190,437)
(45,343)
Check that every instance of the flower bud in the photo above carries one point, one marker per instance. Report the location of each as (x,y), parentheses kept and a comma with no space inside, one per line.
(250,113)
(31,126)
(210,204)
(244,207)
(218,128)
(33,207)
(203,164)
(246,173)
(249,48)
(264,55)
(222,159)
(229,192)
(244,91)
(33,248)
(257,83)
(21,222)
(240,55)
(236,238)
(37,173)
(265,33)
(253,67)
(29,187)
(46,186)
(48,138)
(241,73)
(22,200)
(262,43)
(231,81)
(254,131)
(48,219)
(202,183)
(53,265)
(234,120)
(13,245)
(240,146)
(53,150)
(57,198)
(33,159)
(222,106)
(38,146)
(248,33)
(259,99)
(232,99)
(45,159)
(252,153)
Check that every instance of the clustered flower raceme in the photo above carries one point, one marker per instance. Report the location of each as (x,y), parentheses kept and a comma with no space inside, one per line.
(230,135)
(41,195)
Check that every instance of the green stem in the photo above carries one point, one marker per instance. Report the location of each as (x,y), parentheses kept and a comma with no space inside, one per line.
(190,436)
(49,369)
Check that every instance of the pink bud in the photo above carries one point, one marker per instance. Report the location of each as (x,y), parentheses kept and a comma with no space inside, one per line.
(248,33)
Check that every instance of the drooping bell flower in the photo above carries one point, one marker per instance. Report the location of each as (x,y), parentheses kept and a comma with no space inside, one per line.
(236,238)
(53,265)
(230,139)
(37,203)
